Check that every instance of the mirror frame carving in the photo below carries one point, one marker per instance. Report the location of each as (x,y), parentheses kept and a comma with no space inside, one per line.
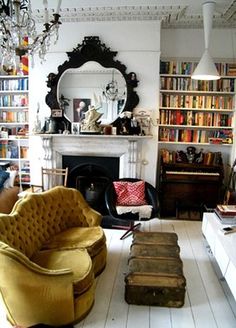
(92,49)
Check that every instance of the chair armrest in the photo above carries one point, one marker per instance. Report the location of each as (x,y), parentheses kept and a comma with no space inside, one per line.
(153,199)
(93,217)
(110,200)
(36,293)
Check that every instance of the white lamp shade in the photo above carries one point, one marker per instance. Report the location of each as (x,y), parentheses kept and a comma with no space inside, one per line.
(206,69)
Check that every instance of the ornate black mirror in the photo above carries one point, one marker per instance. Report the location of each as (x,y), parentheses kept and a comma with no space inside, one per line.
(90,75)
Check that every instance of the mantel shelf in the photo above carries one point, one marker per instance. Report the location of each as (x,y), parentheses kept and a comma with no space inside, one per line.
(93,136)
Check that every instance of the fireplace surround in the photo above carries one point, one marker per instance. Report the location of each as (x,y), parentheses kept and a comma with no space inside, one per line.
(126,151)
(127,148)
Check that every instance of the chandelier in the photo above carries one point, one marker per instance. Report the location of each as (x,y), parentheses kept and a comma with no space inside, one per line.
(18,36)
(111,91)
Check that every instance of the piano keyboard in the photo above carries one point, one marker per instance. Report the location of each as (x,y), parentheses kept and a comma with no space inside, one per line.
(193,173)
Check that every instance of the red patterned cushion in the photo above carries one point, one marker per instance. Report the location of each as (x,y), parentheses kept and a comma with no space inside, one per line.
(130,193)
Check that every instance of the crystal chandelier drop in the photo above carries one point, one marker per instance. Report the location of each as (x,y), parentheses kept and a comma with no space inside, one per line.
(111,91)
(18,36)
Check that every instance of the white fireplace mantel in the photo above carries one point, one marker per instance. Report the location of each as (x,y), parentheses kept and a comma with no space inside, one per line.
(127,148)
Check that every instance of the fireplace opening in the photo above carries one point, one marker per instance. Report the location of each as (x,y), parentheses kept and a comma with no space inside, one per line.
(90,175)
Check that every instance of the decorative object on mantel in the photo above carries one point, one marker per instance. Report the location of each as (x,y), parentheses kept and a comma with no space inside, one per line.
(91,50)
(126,124)
(75,128)
(136,123)
(18,29)
(145,120)
(90,124)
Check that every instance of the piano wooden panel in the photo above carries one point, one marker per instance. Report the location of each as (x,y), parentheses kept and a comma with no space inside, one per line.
(189,186)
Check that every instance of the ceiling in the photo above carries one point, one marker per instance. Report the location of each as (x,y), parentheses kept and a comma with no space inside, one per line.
(172,13)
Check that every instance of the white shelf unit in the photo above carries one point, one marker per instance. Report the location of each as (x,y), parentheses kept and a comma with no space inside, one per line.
(14,125)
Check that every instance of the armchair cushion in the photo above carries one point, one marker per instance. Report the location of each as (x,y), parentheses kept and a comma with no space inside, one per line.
(144,211)
(92,238)
(130,193)
(78,260)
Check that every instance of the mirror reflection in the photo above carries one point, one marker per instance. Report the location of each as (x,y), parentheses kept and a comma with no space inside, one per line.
(92,85)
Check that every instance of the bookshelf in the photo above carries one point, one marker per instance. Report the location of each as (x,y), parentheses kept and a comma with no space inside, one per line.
(199,115)
(14,125)
(196,112)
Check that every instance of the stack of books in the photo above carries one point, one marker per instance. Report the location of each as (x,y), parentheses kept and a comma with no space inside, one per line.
(226,214)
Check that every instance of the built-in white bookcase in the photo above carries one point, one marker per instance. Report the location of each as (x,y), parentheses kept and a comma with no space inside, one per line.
(14,125)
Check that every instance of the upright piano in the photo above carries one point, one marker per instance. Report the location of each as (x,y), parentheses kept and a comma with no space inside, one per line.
(189,186)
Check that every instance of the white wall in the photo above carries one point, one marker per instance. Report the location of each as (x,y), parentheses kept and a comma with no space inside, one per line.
(189,43)
(138,46)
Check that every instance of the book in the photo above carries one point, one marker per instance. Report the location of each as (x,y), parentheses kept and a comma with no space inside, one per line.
(230,220)
(227,210)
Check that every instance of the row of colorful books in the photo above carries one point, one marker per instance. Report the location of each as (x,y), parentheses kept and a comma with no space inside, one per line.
(178,117)
(14,84)
(21,116)
(198,101)
(195,135)
(184,84)
(11,150)
(13,101)
(187,68)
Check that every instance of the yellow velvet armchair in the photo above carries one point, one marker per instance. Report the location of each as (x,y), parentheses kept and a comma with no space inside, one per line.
(51,249)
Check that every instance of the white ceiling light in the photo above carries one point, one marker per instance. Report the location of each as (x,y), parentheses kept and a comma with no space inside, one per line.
(206,69)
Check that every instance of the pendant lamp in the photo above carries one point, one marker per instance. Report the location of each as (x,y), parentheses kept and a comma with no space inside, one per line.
(206,69)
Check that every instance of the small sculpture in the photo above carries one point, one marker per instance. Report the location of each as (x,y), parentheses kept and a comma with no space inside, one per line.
(191,154)
(90,123)
(37,122)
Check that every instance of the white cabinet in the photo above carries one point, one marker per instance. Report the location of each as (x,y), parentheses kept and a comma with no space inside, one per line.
(223,248)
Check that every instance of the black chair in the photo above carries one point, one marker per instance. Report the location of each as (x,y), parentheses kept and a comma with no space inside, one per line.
(151,197)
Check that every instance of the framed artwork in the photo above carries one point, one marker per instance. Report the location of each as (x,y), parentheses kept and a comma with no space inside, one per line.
(75,128)
(80,107)
(56,112)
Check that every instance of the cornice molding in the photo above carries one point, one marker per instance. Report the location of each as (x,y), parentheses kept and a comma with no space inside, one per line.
(170,16)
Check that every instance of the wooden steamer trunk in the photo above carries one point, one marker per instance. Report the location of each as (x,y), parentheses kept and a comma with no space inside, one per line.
(155,271)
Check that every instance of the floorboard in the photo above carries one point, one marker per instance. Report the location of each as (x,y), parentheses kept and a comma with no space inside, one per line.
(206,304)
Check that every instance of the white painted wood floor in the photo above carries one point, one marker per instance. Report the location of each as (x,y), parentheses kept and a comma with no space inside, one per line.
(206,303)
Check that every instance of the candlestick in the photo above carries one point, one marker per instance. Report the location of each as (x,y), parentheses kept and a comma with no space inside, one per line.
(45,3)
(58,6)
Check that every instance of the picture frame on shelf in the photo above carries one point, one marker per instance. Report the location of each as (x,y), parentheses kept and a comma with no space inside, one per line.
(75,128)
(56,113)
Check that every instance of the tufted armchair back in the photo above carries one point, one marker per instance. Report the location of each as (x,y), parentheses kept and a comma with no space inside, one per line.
(37,217)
